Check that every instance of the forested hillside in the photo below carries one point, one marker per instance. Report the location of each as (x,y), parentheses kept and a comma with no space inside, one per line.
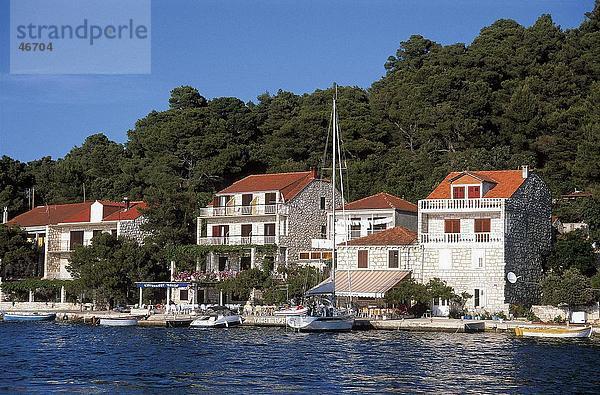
(514,96)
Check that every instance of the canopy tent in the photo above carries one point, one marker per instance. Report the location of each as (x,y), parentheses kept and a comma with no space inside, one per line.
(360,283)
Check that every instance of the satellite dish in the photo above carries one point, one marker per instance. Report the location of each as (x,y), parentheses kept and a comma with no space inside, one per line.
(511,277)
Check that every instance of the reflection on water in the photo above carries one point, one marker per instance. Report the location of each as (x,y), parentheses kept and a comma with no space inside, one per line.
(75,358)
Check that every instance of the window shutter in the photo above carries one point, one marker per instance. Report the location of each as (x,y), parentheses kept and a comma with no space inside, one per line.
(363,259)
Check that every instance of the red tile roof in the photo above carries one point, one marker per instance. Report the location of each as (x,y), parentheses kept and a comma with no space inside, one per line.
(135,211)
(507,182)
(390,237)
(381,200)
(289,184)
(50,215)
(72,213)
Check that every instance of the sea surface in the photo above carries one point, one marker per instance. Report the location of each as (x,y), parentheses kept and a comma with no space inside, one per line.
(48,356)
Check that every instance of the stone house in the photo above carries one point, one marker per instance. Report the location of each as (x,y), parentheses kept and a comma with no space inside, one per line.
(57,229)
(476,226)
(374,214)
(283,210)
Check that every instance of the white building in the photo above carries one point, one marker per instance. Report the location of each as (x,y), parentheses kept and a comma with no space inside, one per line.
(57,229)
(374,214)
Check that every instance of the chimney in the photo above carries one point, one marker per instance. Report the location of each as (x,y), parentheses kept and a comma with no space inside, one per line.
(525,171)
(5,215)
(313,171)
(127,204)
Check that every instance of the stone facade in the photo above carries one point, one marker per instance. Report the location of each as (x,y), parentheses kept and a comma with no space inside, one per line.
(378,258)
(528,238)
(132,229)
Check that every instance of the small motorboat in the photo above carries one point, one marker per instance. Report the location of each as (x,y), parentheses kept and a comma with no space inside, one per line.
(118,321)
(217,318)
(29,316)
(292,311)
(554,331)
(307,323)
(178,322)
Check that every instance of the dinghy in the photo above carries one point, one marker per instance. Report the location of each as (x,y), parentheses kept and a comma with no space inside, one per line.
(118,321)
(554,331)
(29,316)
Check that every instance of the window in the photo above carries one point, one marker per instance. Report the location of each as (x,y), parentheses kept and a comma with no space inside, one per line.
(458,192)
(323,231)
(452,225)
(322,202)
(96,233)
(363,259)
(76,238)
(477,259)
(183,294)
(269,229)
(246,199)
(354,228)
(393,256)
(113,232)
(326,255)
(315,255)
(304,255)
(270,198)
(474,192)
(220,231)
(222,263)
(478,297)
(482,225)
(245,263)
(374,228)
(246,230)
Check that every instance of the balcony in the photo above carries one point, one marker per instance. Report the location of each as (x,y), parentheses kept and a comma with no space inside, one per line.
(254,209)
(461,205)
(66,246)
(461,238)
(237,240)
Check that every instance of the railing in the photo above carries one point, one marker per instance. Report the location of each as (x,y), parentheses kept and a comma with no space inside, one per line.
(455,238)
(66,246)
(461,204)
(237,240)
(254,209)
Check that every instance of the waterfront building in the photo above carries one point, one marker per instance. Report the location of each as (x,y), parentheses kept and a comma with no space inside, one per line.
(374,214)
(476,226)
(283,211)
(57,229)
(473,228)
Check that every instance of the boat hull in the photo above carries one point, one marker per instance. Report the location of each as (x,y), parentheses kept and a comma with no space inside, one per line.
(29,316)
(321,324)
(554,332)
(291,312)
(217,322)
(118,321)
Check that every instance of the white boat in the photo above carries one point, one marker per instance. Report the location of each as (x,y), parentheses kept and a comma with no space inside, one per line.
(328,318)
(118,321)
(217,318)
(307,323)
(293,311)
(554,331)
(29,316)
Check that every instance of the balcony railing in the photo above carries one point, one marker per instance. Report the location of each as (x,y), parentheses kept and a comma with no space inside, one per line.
(254,209)
(237,240)
(66,245)
(456,238)
(483,204)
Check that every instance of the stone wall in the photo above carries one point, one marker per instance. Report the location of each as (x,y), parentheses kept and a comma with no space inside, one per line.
(463,273)
(409,257)
(306,218)
(527,239)
(132,229)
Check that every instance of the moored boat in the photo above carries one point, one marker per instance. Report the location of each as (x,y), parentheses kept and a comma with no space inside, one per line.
(293,311)
(554,331)
(307,323)
(217,318)
(29,316)
(118,321)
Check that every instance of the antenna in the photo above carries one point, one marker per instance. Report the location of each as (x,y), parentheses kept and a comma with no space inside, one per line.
(84,191)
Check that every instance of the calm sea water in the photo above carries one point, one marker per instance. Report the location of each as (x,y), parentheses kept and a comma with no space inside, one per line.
(43,357)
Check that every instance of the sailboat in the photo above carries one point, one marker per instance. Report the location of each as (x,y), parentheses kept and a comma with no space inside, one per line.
(326,317)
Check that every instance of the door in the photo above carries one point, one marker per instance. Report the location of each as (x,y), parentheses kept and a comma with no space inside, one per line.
(222,263)
(269,232)
(245,263)
(246,234)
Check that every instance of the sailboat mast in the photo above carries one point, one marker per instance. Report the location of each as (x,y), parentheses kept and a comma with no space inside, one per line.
(333,178)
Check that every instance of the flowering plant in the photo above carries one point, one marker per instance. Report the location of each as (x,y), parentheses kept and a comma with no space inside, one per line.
(205,276)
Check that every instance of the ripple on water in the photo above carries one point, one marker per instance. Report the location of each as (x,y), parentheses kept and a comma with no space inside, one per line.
(49,356)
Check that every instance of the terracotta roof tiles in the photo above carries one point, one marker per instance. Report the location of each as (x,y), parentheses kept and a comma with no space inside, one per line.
(507,182)
(289,184)
(390,237)
(381,200)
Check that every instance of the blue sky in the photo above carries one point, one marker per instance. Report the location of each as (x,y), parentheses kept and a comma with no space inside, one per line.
(239,48)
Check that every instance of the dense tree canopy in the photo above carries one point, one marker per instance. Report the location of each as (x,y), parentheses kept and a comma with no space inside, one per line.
(17,254)
(515,95)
